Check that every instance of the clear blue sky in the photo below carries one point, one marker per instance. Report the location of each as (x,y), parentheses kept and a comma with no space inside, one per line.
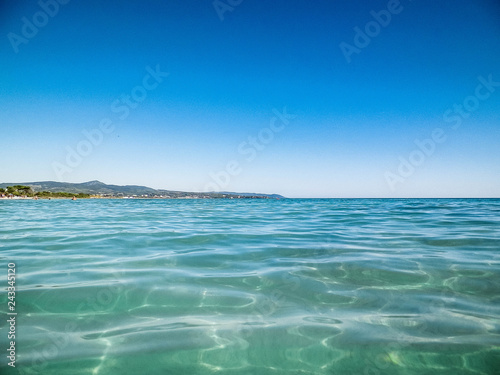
(352,117)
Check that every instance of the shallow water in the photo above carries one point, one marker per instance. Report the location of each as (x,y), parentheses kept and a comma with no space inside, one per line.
(253,286)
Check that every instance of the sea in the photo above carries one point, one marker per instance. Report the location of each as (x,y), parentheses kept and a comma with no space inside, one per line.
(251,286)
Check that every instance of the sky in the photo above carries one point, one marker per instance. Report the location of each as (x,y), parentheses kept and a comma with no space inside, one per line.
(344,98)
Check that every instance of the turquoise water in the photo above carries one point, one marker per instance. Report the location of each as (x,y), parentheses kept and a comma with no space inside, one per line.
(253,286)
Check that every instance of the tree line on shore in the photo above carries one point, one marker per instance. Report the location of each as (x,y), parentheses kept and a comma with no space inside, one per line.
(27,191)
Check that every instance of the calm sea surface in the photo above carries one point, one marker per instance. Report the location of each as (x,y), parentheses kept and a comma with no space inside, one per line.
(253,286)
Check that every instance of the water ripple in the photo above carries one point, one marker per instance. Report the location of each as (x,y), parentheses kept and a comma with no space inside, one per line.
(352,286)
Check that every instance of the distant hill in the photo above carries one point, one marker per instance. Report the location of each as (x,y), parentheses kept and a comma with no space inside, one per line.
(276,196)
(100,188)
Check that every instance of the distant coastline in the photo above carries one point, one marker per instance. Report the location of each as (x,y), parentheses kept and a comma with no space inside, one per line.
(99,190)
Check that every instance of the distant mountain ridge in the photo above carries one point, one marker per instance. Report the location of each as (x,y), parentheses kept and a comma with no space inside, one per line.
(99,188)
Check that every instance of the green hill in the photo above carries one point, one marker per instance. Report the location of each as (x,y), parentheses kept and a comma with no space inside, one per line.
(100,188)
